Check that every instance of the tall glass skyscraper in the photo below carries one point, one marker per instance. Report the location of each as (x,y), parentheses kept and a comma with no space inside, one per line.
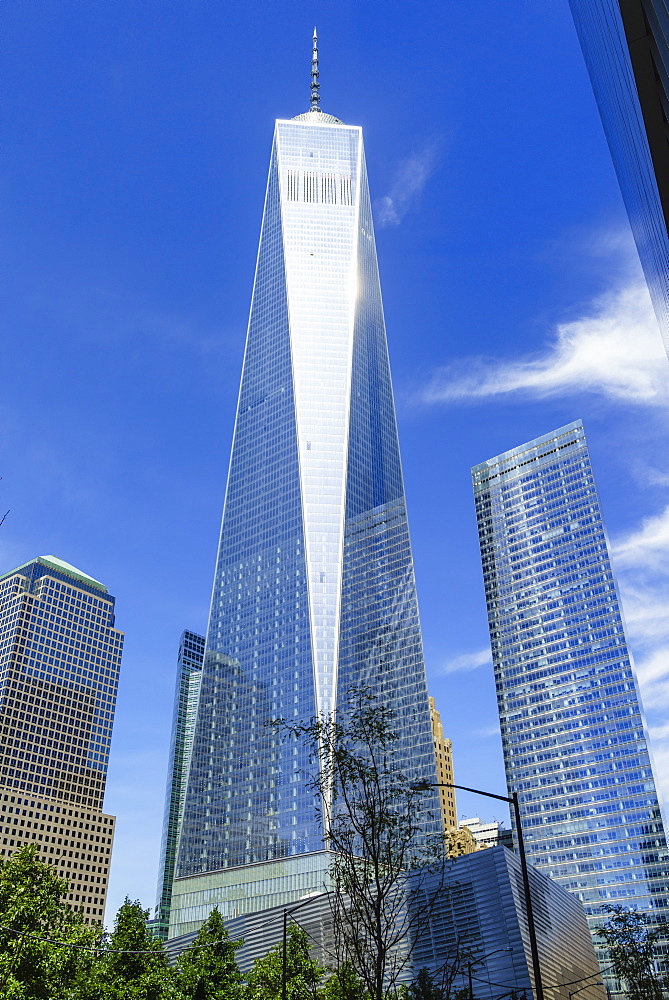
(573,733)
(314,587)
(186,697)
(626,48)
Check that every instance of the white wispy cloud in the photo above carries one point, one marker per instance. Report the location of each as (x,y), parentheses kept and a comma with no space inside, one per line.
(641,560)
(467,661)
(614,349)
(486,732)
(648,474)
(410,180)
(647,547)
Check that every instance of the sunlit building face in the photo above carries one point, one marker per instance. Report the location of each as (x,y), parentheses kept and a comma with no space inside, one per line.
(314,588)
(574,739)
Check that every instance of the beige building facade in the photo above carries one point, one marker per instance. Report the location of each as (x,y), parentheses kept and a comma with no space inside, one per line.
(459,839)
(60,655)
(443,749)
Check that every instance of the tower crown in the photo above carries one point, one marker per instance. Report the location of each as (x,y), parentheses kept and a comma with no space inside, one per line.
(314,116)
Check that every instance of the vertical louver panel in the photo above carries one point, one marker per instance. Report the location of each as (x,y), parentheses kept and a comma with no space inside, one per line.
(319,188)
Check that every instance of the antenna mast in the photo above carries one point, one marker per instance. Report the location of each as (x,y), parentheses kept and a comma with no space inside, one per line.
(315,85)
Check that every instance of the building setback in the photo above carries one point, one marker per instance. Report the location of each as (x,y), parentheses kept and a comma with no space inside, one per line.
(626,48)
(186,695)
(314,588)
(443,748)
(459,840)
(573,733)
(60,656)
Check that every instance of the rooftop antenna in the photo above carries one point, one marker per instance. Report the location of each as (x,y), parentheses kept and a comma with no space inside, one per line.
(315,85)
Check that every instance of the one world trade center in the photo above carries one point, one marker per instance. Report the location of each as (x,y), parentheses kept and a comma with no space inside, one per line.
(314,589)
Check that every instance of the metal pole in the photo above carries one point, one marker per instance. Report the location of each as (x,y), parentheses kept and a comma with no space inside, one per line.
(284,971)
(423,785)
(469,976)
(536,968)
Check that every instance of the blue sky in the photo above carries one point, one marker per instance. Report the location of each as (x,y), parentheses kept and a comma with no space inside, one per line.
(136,145)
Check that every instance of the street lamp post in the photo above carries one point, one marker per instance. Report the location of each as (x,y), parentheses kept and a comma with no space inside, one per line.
(422,786)
(286,913)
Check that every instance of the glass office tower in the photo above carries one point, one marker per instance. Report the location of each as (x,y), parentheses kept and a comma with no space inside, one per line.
(575,744)
(186,697)
(626,48)
(314,586)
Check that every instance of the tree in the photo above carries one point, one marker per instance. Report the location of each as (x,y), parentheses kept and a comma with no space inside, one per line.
(440,983)
(32,915)
(70,969)
(304,976)
(133,965)
(344,984)
(435,986)
(208,970)
(631,945)
(387,877)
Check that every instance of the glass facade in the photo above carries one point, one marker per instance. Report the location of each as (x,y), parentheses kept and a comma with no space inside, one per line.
(573,733)
(186,696)
(314,588)
(60,655)
(246,889)
(607,55)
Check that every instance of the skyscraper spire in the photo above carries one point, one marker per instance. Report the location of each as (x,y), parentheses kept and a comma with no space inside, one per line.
(314,591)
(315,85)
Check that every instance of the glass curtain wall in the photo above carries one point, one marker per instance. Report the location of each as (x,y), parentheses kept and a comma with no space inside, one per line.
(186,697)
(574,739)
(314,588)
(607,56)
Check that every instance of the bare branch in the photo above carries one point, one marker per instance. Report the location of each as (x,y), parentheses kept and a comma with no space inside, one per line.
(383,860)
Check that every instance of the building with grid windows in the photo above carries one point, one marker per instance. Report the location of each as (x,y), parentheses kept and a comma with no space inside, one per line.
(186,696)
(443,748)
(314,586)
(60,655)
(458,838)
(573,733)
(626,48)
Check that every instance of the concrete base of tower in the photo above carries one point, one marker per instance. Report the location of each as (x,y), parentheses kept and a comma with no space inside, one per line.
(246,889)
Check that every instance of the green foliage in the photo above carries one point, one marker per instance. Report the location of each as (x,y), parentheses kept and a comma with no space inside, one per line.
(424,987)
(133,965)
(631,944)
(303,975)
(47,952)
(70,968)
(344,984)
(208,970)
(31,907)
